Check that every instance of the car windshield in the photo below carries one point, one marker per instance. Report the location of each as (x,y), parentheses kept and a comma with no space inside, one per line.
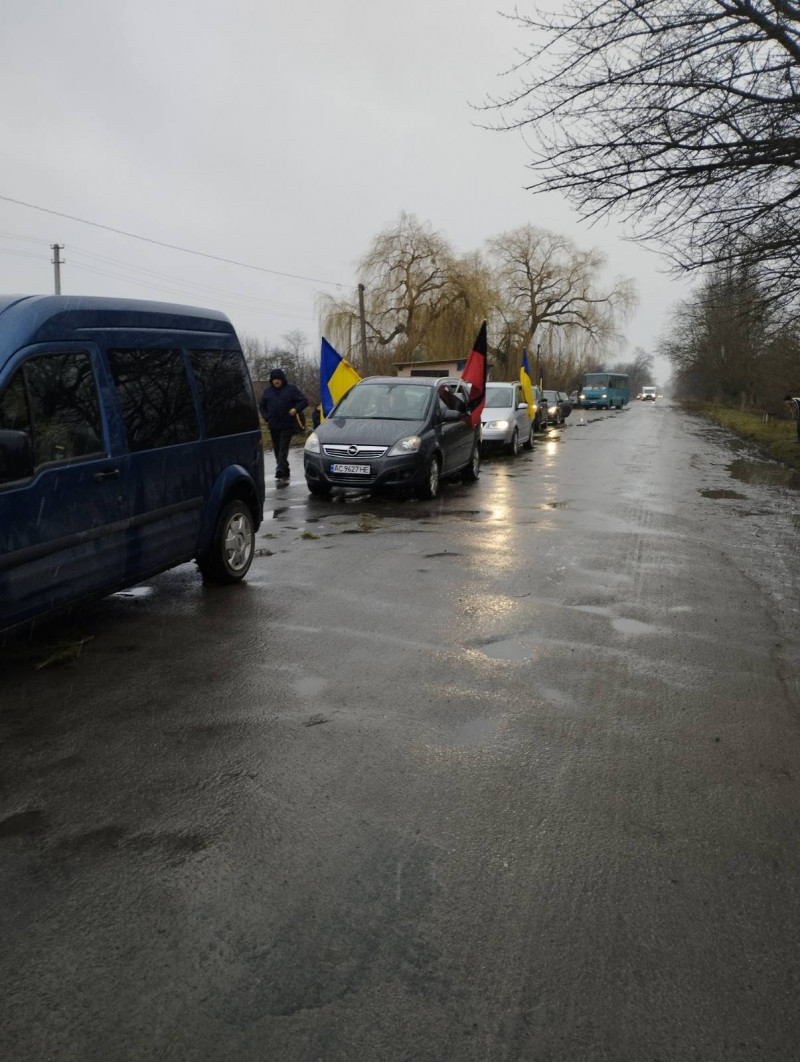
(498,397)
(595,381)
(551,396)
(385,401)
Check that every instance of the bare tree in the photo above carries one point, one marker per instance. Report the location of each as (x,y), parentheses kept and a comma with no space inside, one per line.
(291,354)
(680,114)
(408,274)
(543,279)
(639,371)
(731,344)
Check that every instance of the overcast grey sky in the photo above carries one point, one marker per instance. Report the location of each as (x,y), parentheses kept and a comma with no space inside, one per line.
(283,134)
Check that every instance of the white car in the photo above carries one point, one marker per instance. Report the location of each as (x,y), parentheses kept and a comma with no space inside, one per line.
(505,421)
(649,394)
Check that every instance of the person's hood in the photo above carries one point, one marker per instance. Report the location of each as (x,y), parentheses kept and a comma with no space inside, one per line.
(278,374)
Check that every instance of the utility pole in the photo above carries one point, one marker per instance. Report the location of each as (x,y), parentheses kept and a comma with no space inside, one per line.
(57,263)
(362,316)
(539,365)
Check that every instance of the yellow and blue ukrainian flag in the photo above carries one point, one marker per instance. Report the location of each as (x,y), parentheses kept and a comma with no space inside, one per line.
(336,377)
(525,380)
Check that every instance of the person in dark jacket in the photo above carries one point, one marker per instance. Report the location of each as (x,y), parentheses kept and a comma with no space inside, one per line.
(280,405)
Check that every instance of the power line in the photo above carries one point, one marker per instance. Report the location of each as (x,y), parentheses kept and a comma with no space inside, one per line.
(165,283)
(170,246)
(184,293)
(191,285)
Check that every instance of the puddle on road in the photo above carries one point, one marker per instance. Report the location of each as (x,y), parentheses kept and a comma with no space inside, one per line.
(309,686)
(632,626)
(21,823)
(730,494)
(509,649)
(764,473)
(476,732)
(621,624)
(135,591)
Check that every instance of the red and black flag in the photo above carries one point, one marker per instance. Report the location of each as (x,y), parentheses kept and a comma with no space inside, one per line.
(475,375)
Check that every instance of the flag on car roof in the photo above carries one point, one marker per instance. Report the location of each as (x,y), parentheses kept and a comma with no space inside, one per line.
(336,377)
(474,373)
(525,381)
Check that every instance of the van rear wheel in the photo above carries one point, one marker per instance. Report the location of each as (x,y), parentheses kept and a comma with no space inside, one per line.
(232,547)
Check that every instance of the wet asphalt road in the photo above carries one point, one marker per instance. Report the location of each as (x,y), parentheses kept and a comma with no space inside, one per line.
(512,775)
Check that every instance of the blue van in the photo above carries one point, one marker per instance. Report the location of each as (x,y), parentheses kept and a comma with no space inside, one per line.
(129,443)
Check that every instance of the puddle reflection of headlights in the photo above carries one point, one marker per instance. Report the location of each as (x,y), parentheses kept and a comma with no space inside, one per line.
(498,425)
(409,445)
(312,443)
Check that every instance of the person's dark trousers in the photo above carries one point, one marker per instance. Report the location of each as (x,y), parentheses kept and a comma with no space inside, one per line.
(281,438)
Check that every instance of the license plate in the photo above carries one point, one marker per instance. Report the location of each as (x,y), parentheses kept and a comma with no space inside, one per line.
(350,470)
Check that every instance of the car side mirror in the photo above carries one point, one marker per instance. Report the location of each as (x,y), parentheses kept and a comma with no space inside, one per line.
(451,414)
(522,405)
(16,456)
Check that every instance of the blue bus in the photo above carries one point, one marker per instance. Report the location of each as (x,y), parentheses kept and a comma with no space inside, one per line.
(604,390)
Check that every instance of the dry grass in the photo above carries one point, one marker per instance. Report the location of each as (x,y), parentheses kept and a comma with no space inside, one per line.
(777,436)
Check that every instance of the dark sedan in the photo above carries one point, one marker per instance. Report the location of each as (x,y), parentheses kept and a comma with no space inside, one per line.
(394,432)
(559,406)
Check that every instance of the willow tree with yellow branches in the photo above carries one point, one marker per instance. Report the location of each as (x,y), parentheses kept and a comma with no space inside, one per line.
(419,299)
(425,302)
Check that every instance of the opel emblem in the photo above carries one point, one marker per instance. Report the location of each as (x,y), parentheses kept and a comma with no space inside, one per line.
(352,450)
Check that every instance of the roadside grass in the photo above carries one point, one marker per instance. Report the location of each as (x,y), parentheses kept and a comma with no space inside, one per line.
(778,437)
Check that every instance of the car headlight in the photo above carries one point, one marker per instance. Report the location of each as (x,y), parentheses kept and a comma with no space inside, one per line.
(498,425)
(409,445)
(581,396)
(312,443)
(552,410)
(604,395)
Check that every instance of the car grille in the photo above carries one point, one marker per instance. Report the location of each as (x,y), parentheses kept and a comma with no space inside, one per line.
(355,453)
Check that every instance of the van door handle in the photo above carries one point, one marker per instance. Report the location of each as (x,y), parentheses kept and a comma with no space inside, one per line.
(101,477)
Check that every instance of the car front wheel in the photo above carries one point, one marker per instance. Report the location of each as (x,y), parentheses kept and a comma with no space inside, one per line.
(430,485)
(528,444)
(513,446)
(473,469)
(232,547)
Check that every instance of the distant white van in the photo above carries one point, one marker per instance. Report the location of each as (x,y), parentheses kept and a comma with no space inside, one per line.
(649,394)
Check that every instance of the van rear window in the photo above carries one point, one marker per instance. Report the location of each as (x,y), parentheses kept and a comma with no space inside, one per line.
(155,397)
(226,394)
